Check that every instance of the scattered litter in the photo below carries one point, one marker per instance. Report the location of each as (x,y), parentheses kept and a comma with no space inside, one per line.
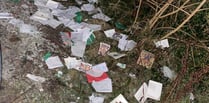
(152,91)
(93,27)
(93,1)
(146,59)
(66,38)
(121,65)
(79,2)
(47,55)
(24,28)
(119,99)
(78,17)
(191,96)
(168,72)
(120,26)
(101,66)
(109,33)
(85,66)
(52,4)
(96,99)
(141,94)
(36,78)
(116,55)
(101,16)
(126,45)
(78,48)
(95,72)
(59,74)
(91,39)
(6,15)
(132,75)
(42,15)
(104,86)
(87,7)
(162,44)
(103,49)
(91,78)
(71,62)
(54,62)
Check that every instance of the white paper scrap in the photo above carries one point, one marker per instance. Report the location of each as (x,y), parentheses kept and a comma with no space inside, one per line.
(126,45)
(121,65)
(29,29)
(52,4)
(71,62)
(119,99)
(6,15)
(101,16)
(36,78)
(78,48)
(101,66)
(54,62)
(162,44)
(96,99)
(168,72)
(191,96)
(104,86)
(141,94)
(87,7)
(109,33)
(154,90)
(116,55)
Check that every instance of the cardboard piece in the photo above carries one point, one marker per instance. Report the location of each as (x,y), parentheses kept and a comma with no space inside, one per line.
(119,99)
(53,62)
(103,49)
(146,59)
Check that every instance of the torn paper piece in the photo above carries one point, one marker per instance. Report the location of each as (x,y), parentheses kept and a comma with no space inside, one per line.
(116,55)
(104,86)
(103,49)
(118,36)
(36,78)
(71,62)
(146,59)
(6,15)
(121,65)
(109,33)
(154,90)
(66,38)
(93,27)
(101,66)
(87,7)
(40,3)
(81,34)
(191,96)
(95,72)
(85,66)
(52,4)
(162,44)
(101,16)
(28,29)
(119,99)
(54,62)
(141,94)
(126,45)
(53,23)
(96,99)
(168,72)
(91,78)
(42,15)
(78,48)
